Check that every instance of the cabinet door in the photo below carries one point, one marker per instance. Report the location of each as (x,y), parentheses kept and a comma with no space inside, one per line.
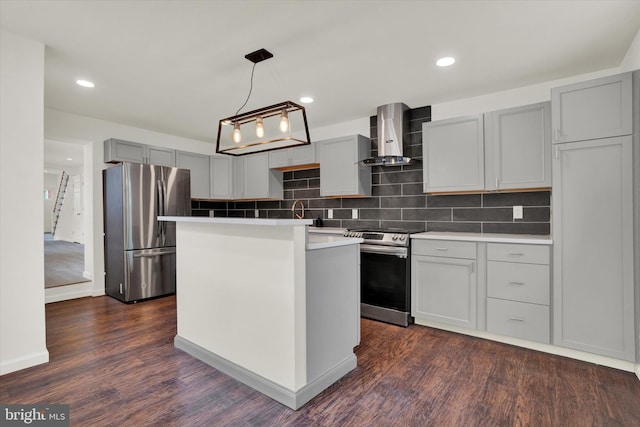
(221,173)
(518,147)
(304,155)
(340,175)
(261,182)
(279,158)
(594,109)
(161,156)
(593,247)
(453,154)
(117,150)
(444,290)
(198,164)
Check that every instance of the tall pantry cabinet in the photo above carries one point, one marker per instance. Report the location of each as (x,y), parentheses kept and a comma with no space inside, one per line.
(593,215)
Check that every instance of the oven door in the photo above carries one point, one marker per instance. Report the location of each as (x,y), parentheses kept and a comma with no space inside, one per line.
(384,276)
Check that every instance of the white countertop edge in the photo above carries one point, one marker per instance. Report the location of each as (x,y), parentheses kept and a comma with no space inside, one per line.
(530,239)
(236,221)
(319,241)
(327,230)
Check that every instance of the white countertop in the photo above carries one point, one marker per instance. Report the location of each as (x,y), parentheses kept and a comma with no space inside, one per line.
(323,241)
(485,237)
(236,221)
(327,230)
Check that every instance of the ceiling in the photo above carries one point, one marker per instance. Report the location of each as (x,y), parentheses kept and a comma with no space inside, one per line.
(178,67)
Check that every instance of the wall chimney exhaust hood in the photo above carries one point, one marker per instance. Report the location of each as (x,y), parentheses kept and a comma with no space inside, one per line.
(393,128)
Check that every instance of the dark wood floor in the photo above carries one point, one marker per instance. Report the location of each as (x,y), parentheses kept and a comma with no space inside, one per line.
(115,365)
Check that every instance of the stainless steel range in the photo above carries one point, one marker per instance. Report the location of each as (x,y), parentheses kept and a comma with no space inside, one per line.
(385,274)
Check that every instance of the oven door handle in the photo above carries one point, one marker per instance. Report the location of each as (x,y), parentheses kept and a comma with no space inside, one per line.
(384,250)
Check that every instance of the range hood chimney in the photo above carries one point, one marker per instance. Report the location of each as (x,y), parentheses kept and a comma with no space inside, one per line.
(393,128)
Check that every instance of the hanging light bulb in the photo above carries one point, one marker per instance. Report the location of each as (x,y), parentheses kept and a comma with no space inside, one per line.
(259,127)
(284,121)
(237,137)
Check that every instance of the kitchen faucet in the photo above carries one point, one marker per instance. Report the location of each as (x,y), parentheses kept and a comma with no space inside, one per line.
(293,208)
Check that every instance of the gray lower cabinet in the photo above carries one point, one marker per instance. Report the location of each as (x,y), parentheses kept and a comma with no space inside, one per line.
(118,150)
(519,291)
(199,166)
(340,174)
(254,180)
(453,154)
(593,109)
(443,282)
(221,175)
(518,147)
(593,246)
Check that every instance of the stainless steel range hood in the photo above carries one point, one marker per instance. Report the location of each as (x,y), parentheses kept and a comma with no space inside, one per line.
(393,127)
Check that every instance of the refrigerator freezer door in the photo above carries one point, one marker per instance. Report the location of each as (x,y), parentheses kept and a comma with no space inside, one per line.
(149,273)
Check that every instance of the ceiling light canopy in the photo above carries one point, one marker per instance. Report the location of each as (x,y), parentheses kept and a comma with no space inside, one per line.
(445,61)
(275,127)
(85,83)
(306,100)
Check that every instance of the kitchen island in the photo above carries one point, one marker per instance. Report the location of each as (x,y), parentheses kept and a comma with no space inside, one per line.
(262,301)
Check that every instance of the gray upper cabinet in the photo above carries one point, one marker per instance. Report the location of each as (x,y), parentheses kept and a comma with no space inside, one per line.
(118,150)
(594,109)
(254,180)
(199,166)
(340,173)
(296,156)
(593,247)
(221,174)
(453,154)
(518,147)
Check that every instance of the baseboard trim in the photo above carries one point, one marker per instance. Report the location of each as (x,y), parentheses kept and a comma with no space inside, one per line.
(67,292)
(596,359)
(24,362)
(638,371)
(292,399)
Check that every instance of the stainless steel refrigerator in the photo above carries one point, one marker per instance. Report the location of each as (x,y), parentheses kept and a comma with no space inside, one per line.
(140,251)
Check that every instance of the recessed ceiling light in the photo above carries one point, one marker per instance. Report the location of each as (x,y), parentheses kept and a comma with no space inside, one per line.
(306,99)
(85,83)
(446,61)
(69,158)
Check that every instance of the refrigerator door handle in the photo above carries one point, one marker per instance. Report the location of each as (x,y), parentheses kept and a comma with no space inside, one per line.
(159,208)
(149,253)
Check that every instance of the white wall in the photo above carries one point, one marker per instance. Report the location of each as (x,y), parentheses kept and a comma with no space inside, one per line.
(51,182)
(22,317)
(631,60)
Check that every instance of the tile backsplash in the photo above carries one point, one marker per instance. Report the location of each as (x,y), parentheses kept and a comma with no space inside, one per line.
(398,201)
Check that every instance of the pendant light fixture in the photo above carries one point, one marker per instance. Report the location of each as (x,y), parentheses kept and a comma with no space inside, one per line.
(275,127)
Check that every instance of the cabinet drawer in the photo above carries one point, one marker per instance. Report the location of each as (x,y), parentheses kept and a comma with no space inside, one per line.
(444,248)
(518,320)
(518,282)
(531,254)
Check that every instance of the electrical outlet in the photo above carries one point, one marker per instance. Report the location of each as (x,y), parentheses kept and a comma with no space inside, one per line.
(354,213)
(329,213)
(257,213)
(517,212)
(211,213)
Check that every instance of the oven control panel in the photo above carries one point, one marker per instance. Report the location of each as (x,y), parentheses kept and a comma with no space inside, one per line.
(381,238)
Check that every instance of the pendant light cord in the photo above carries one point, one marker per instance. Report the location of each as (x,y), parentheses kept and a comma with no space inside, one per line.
(250,90)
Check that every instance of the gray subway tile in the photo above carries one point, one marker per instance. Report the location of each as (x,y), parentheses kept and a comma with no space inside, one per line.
(404,225)
(381,214)
(361,202)
(459,227)
(403,202)
(325,203)
(483,214)
(386,190)
(454,200)
(538,228)
(533,198)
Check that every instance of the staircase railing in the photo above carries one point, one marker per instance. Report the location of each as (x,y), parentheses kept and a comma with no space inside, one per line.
(57,207)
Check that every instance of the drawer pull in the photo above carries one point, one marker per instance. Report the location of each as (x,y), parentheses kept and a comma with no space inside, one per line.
(442,249)
(516,283)
(516,254)
(517,319)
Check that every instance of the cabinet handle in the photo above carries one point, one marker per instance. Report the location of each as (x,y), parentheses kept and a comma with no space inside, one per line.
(516,283)
(556,134)
(497,182)
(517,319)
(516,254)
(556,152)
(472,267)
(442,249)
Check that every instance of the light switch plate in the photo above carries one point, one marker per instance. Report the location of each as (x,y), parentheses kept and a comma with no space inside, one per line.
(257,213)
(354,213)
(329,213)
(517,212)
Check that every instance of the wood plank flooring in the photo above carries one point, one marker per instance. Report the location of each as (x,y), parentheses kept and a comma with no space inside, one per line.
(115,365)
